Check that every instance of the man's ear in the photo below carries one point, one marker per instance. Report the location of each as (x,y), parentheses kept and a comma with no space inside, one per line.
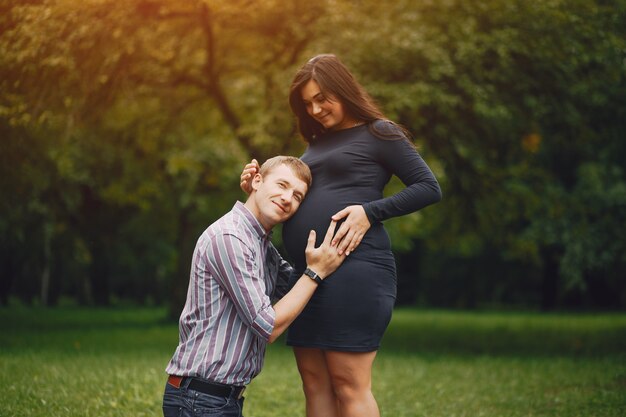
(256,181)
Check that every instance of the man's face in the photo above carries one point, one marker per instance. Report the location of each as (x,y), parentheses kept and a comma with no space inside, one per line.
(276,196)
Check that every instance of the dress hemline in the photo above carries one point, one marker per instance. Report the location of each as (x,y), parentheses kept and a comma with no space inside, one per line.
(322,346)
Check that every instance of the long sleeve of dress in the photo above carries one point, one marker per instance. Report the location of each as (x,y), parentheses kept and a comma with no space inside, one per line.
(400,158)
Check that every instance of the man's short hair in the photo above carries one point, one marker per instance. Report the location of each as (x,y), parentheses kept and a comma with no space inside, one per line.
(299,168)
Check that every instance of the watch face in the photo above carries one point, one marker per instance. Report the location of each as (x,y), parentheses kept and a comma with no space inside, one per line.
(311,274)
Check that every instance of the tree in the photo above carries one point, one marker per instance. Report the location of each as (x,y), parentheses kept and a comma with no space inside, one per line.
(151,104)
(521,106)
(125,126)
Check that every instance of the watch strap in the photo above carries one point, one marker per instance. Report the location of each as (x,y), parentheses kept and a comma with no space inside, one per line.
(313,275)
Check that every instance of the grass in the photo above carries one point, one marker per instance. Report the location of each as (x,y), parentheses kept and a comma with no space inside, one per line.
(79,362)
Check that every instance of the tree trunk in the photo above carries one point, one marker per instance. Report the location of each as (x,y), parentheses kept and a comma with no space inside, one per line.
(99,274)
(8,270)
(47,259)
(550,279)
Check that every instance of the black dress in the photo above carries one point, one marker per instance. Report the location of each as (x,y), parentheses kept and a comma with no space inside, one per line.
(351,309)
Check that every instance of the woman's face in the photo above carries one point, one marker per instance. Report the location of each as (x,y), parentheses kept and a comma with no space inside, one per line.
(327,110)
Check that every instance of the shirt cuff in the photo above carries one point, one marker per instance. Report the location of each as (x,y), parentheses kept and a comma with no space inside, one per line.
(263,324)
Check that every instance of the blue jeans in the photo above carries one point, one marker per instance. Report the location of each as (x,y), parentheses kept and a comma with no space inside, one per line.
(184,402)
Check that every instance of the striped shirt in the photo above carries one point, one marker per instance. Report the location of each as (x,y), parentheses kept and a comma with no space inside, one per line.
(228,316)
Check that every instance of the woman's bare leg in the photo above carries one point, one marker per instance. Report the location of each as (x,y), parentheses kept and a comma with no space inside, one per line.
(320,397)
(351,378)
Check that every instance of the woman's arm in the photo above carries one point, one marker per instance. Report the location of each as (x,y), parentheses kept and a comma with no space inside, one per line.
(399,157)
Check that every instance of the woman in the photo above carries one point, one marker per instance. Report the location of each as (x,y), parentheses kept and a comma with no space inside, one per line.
(352,151)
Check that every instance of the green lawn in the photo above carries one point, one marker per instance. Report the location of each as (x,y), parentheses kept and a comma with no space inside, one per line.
(79,362)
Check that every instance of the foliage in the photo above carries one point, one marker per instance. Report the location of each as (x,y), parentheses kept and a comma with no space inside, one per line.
(521,105)
(143,114)
(125,125)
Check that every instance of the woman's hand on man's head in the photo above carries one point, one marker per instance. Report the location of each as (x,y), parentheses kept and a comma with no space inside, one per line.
(248,173)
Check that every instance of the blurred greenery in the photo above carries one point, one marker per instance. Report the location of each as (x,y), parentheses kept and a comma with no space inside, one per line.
(124,127)
(105,362)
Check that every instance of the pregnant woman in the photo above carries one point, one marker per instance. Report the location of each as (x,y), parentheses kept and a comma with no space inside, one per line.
(353,150)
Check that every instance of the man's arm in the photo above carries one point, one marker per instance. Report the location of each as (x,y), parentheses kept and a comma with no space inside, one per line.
(233,264)
(323,261)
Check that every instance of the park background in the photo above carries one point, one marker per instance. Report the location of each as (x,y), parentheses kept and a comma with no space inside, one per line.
(124,127)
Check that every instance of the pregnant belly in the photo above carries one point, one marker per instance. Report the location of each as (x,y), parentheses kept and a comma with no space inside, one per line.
(315,214)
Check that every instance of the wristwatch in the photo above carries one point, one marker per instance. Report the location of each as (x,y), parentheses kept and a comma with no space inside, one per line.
(313,275)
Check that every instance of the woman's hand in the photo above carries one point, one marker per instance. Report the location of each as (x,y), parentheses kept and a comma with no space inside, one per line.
(352,230)
(248,173)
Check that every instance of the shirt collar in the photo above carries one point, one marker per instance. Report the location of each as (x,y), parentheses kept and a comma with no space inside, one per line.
(252,221)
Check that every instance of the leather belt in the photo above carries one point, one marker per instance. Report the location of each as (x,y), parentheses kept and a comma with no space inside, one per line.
(207,387)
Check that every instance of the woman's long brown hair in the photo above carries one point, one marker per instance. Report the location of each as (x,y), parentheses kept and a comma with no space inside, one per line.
(334,80)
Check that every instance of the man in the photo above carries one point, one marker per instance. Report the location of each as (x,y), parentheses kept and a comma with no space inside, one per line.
(228,317)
